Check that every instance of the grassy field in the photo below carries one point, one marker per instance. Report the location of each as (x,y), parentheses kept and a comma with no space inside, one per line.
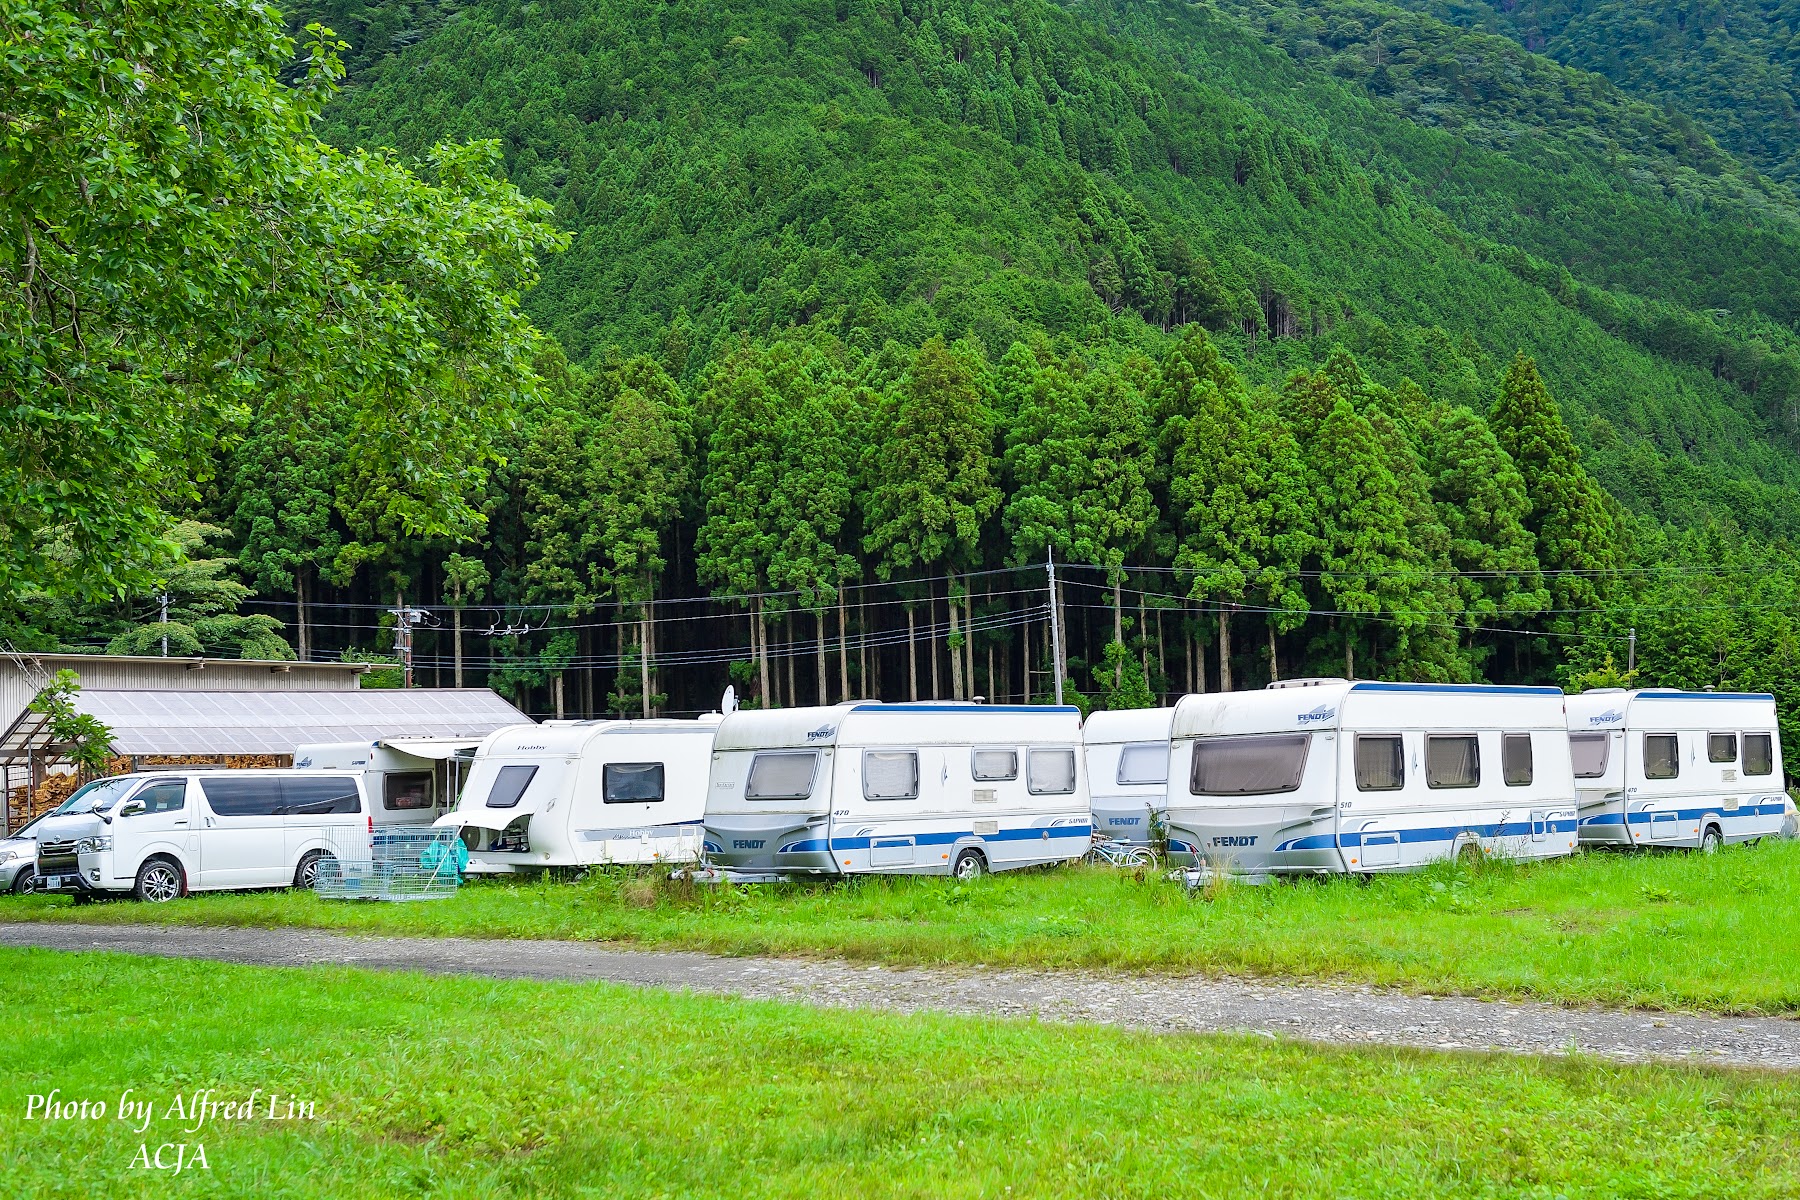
(1662,931)
(461,1087)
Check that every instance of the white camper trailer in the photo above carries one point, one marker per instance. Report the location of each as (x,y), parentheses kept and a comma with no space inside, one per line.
(410,781)
(1128,770)
(586,793)
(1321,777)
(1660,767)
(902,788)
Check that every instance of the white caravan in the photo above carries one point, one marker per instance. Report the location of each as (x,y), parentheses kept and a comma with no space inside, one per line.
(1660,767)
(586,793)
(1321,777)
(1128,770)
(410,781)
(164,833)
(897,788)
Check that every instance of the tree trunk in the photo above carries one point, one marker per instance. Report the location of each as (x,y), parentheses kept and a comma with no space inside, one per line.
(787,637)
(1162,661)
(819,623)
(870,688)
(456,634)
(1118,627)
(1025,661)
(954,642)
(304,633)
(1274,663)
(759,646)
(556,693)
(1224,648)
(644,659)
(912,654)
(937,688)
(1349,652)
(969,640)
(843,648)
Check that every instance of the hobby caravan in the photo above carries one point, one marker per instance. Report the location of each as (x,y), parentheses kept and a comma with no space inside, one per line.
(897,788)
(1128,770)
(1322,777)
(586,793)
(1661,767)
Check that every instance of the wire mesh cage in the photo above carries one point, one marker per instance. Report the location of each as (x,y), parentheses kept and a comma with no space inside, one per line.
(392,864)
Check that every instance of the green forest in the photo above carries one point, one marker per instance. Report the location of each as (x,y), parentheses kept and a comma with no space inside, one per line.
(783,345)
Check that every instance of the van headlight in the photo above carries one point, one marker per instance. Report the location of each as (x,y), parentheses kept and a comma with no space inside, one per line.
(95,844)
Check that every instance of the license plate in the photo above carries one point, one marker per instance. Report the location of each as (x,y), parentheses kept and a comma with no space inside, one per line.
(54,882)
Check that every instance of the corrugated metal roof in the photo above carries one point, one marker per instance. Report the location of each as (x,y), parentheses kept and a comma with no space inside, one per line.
(194,722)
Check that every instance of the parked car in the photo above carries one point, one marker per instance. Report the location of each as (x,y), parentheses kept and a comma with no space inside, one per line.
(161,834)
(18,858)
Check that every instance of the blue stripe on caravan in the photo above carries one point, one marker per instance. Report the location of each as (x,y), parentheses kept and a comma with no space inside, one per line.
(1693,814)
(1477,689)
(1702,696)
(1441,833)
(953,836)
(1605,819)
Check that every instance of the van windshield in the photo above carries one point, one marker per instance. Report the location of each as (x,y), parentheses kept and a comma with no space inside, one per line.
(98,796)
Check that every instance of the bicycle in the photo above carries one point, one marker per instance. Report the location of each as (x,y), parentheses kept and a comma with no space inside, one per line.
(1112,852)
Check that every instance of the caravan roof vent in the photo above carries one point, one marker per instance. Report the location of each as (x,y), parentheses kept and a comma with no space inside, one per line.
(1318,681)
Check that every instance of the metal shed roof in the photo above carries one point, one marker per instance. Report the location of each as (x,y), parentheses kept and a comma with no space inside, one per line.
(194,722)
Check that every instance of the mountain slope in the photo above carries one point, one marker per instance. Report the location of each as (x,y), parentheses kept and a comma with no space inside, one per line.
(1102,172)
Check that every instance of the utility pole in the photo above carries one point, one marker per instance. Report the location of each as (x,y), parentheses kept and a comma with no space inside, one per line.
(404,618)
(165,624)
(1056,653)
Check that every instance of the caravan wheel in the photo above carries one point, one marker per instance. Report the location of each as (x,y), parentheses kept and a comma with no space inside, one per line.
(969,864)
(1712,841)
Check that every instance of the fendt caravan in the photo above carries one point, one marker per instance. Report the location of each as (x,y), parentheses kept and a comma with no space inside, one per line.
(1318,777)
(1668,768)
(586,793)
(905,788)
(1128,770)
(410,781)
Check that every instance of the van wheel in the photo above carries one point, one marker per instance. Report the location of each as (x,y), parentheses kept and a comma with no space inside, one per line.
(158,881)
(1712,841)
(306,875)
(969,864)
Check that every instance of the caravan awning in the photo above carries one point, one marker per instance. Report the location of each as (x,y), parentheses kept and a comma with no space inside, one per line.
(439,748)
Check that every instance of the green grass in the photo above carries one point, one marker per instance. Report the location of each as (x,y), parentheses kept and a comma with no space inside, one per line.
(1661,931)
(464,1087)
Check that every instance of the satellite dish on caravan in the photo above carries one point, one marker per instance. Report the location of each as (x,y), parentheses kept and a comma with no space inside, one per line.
(728,702)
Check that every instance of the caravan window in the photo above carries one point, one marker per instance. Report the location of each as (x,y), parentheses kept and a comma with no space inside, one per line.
(403,791)
(992,765)
(890,774)
(509,786)
(1759,754)
(1721,747)
(1662,756)
(1452,761)
(1050,772)
(631,783)
(317,796)
(1589,752)
(1147,762)
(1380,763)
(1249,766)
(782,775)
(1515,759)
(243,796)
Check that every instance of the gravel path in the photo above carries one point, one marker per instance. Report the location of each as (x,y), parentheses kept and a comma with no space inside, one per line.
(1343,1015)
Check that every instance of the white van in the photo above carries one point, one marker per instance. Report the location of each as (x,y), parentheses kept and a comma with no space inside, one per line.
(166,833)
(897,788)
(1323,777)
(409,781)
(1128,770)
(1661,767)
(584,793)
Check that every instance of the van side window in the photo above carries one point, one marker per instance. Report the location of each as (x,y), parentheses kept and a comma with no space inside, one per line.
(992,765)
(241,796)
(1146,762)
(890,774)
(320,795)
(1515,759)
(781,775)
(1588,752)
(631,783)
(1662,756)
(1721,747)
(1452,760)
(403,791)
(1264,765)
(165,795)
(1380,763)
(1759,754)
(510,784)
(1050,772)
